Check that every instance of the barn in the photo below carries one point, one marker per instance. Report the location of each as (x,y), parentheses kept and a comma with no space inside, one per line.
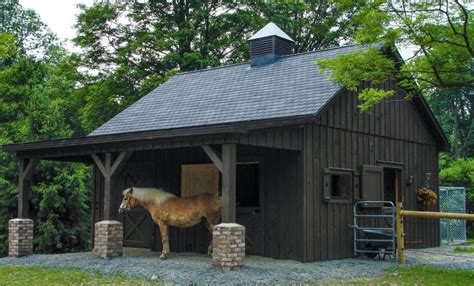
(287,149)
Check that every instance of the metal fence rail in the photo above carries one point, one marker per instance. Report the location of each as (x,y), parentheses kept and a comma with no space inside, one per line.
(453,200)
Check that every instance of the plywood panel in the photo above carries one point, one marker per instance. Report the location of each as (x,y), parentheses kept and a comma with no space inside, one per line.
(198,179)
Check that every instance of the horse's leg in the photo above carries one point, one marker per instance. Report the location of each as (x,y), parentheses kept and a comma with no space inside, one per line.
(165,250)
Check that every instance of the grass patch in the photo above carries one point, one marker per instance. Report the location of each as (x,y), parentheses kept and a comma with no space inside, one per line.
(463,249)
(421,275)
(32,275)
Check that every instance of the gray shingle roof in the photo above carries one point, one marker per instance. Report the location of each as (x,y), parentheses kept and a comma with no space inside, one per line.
(293,86)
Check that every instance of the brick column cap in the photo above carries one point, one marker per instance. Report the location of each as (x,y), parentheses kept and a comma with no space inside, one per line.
(108,222)
(228,225)
(21,219)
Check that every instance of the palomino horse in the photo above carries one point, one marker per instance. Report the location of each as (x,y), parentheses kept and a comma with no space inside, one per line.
(169,210)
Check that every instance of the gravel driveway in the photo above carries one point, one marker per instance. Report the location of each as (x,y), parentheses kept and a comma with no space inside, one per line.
(186,268)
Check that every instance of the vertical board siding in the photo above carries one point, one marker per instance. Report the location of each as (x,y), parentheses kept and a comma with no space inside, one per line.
(343,137)
(282,198)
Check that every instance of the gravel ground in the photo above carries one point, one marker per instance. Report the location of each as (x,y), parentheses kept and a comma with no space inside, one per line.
(187,268)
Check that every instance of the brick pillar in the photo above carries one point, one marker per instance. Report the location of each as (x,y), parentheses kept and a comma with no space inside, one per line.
(20,237)
(108,239)
(228,241)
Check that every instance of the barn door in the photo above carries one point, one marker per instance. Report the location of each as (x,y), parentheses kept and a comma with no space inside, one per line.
(249,209)
(372,183)
(137,224)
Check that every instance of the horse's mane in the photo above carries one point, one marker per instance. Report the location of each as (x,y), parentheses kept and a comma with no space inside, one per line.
(158,196)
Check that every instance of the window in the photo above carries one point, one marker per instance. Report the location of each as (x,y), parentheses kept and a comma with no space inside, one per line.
(248,188)
(339,185)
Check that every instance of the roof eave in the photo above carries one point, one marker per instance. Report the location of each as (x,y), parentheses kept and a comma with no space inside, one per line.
(218,129)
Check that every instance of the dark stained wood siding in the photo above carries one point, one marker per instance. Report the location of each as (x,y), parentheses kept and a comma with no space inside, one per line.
(282,202)
(344,137)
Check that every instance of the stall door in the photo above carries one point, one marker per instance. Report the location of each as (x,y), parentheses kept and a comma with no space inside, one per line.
(249,210)
(138,225)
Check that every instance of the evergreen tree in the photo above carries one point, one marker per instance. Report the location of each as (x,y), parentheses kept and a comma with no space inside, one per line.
(39,100)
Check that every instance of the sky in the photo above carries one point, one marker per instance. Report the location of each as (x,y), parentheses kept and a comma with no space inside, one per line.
(59,15)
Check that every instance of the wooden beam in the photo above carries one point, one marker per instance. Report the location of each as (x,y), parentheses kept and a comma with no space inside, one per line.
(26,168)
(120,162)
(215,158)
(99,163)
(109,168)
(229,160)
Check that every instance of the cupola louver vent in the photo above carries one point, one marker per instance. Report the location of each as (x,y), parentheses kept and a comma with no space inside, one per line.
(268,44)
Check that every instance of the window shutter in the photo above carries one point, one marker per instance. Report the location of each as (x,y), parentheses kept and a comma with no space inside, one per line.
(372,183)
(326,185)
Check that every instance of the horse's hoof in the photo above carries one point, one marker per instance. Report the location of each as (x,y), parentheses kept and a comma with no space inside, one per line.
(163,256)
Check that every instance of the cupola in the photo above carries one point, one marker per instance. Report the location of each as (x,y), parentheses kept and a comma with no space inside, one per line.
(269,44)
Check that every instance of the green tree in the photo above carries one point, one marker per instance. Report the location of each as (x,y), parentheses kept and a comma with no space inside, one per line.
(455,112)
(31,34)
(40,100)
(440,32)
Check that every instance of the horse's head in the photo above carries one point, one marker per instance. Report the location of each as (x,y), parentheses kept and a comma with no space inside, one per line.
(128,201)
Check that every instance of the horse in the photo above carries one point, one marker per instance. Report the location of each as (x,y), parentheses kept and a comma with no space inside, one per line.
(169,210)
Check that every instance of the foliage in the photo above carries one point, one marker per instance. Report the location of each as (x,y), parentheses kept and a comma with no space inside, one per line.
(134,46)
(455,111)
(39,100)
(458,173)
(34,275)
(32,36)
(440,31)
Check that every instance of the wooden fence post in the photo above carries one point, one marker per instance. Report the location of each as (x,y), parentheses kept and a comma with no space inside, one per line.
(400,235)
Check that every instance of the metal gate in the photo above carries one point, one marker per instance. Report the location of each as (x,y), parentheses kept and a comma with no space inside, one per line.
(452,200)
(373,240)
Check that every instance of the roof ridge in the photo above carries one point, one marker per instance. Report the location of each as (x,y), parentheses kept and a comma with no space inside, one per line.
(322,50)
(284,56)
(212,68)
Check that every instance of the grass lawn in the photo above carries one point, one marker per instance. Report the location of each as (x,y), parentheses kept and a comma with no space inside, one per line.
(421,275)
(22,275)
(412,275)
(465,249)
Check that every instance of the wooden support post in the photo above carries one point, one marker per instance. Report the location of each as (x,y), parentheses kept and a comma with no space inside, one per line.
(400,235)
(229,159)
(215,158)
(109,169)
(26,166)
